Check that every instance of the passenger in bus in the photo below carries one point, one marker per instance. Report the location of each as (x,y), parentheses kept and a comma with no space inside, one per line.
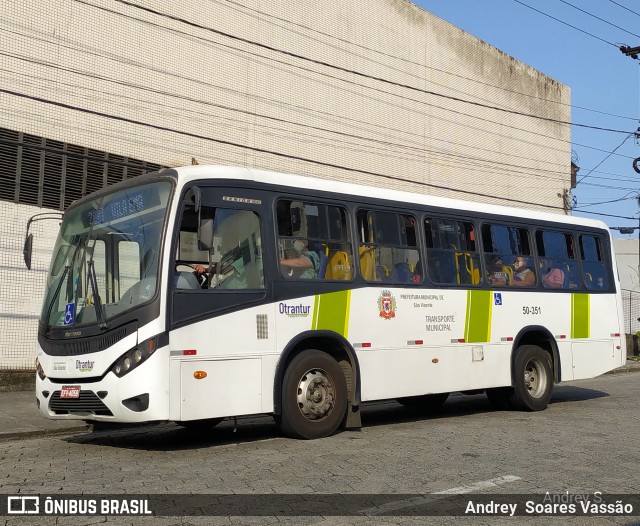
(552,277)
(496,274)
(523,276)
(302,264)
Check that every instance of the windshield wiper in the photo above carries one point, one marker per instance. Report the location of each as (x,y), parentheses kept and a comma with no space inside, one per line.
(101,316)
(55,297)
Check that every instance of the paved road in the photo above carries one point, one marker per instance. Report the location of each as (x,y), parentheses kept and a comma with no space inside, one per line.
(586,441)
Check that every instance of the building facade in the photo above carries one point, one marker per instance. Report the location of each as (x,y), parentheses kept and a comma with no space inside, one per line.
(382,93)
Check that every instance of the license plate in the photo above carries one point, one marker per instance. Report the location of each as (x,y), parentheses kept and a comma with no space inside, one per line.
(70,391)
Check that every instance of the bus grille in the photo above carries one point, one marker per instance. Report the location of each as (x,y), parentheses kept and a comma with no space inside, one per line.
(87,403)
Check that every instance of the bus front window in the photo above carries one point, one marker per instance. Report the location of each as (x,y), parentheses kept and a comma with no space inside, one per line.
(105,261)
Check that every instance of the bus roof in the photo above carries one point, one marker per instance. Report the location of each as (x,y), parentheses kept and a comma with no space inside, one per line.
(188,173)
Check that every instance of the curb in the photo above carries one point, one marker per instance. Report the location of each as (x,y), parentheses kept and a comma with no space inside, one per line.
(17,381)
(42,433)
(625,369)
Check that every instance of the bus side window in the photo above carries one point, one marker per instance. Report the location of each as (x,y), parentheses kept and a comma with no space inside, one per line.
(508,256)
(234,258)
(388,247)
(557,264)
(452,256)
(594,272)
(313,241)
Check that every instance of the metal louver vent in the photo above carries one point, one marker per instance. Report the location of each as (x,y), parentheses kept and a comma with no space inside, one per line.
(52,174)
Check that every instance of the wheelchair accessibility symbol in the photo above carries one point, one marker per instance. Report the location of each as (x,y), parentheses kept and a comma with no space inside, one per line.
(69,314)
(497,298)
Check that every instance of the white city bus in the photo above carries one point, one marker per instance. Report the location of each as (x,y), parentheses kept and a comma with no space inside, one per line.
(316,296)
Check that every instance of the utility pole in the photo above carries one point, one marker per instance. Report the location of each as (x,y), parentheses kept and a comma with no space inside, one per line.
(632,52)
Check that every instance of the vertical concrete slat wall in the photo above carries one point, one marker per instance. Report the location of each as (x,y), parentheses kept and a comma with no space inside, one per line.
(377,92)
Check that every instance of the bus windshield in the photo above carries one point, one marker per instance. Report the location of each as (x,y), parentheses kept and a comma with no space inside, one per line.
(105,260)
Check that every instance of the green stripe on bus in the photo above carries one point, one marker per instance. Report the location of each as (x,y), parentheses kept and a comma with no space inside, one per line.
(477,326)
(316,302)
(580,315)
(331,312)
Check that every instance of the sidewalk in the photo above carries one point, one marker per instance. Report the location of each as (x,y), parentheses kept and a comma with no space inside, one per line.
(20,419)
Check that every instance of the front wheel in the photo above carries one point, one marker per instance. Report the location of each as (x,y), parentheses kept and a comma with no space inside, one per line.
(533,379)
(314,396)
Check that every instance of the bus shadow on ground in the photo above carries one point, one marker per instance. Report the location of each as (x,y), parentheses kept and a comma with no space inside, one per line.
(571,393)
(172,437)
(169,436)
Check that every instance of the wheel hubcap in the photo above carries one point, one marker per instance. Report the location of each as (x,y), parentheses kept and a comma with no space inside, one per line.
(316,394)
(535,379)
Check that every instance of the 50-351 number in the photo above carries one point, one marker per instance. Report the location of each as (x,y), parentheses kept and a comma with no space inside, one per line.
(527,311)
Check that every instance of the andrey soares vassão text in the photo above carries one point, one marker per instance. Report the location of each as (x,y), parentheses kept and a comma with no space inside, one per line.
(553,504)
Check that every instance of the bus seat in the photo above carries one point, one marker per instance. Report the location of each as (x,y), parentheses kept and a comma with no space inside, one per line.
(402,272)
(475,276)
(324,261)
(339,266)
(185,281)
(367,263)
(509,272)
(382,273)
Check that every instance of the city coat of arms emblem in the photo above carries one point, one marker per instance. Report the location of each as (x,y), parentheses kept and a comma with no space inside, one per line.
(387,305)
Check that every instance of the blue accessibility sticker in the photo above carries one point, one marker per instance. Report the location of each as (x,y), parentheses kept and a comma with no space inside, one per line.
(69,314)
(497,298)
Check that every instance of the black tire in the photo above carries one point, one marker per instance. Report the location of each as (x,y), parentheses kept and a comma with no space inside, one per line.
(430,402)
(314,396)
(200,425)
(500,397)
(533,379)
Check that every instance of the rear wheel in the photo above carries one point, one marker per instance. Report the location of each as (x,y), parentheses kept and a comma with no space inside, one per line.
(430,402)
(533,379)
(533,382)
(314,396)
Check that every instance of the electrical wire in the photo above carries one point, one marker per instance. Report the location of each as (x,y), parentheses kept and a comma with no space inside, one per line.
(271,152)
(565,23)
(405,60)
(623,7)
(603,160)
(344,69)
(598,18)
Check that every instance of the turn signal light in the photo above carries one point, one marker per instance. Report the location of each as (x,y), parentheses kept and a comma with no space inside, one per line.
(199,375)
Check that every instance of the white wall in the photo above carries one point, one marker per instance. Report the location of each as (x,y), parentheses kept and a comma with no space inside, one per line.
(125,81)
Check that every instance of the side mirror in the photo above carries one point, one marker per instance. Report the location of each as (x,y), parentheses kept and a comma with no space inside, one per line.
(205,235)
(28,240)
(27,250)
(194,195)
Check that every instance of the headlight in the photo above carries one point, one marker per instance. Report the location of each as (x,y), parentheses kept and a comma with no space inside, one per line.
(40,370)
(134,357)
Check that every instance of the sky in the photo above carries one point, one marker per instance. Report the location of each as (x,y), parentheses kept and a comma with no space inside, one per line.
(605,84)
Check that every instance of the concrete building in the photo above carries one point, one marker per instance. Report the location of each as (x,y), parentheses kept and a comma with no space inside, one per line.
(381,93)
(628,267)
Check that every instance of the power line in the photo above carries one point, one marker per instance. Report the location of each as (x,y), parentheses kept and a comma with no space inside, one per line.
(411,62)
(565,23)
(607,215)
(603,160)
(623,7)
(625,198)
(264,150)
(347,70)
(415,149)
(598,18)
